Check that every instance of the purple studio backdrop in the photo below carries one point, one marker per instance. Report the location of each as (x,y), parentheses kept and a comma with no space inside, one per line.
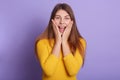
(21,21)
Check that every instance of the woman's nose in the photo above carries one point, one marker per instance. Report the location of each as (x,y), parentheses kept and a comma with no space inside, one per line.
(62,21)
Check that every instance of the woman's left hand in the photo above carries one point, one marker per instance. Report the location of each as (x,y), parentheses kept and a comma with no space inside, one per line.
(67,31)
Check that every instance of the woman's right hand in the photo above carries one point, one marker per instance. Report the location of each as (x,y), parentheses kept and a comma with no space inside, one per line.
(56,32)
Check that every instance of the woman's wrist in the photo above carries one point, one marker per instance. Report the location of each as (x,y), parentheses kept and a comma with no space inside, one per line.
(58,43)
(64,42)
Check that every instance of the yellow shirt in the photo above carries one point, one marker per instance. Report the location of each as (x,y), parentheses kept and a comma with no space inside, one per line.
(54,68)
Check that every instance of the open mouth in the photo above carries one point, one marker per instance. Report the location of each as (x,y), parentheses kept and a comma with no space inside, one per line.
(61,29)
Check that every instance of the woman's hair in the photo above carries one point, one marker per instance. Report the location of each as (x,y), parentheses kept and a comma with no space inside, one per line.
(74,37)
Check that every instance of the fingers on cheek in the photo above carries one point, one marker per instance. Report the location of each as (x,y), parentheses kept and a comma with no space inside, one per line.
(53,21)
(71,23)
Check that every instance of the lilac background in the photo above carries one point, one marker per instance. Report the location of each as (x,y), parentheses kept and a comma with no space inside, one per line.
(21,21)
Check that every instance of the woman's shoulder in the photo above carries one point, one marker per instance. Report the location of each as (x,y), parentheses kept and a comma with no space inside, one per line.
(43,41)
(83,41)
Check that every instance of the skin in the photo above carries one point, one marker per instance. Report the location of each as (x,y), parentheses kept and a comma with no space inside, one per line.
(62,25)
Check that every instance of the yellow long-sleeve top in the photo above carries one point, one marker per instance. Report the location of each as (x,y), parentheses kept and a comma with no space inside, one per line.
(54,68)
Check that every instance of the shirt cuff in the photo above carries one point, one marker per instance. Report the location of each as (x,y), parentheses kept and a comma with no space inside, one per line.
(68,57)
(53,57)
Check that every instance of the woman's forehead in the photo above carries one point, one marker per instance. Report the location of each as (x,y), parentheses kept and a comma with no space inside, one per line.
(62,12)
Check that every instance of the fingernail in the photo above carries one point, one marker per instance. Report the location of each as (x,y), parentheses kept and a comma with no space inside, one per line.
(52,19)
(72,22)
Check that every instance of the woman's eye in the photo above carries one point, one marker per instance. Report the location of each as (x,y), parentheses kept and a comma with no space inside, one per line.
(57,17)
(67,18)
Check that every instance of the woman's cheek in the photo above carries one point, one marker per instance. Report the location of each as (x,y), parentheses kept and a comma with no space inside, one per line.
(67,22)
(56,22)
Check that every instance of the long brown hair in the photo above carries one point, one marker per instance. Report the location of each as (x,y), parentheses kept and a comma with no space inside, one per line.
(75,36)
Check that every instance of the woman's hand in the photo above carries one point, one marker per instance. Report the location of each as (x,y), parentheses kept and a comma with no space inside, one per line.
(67,31)
(65,36)
(57,33)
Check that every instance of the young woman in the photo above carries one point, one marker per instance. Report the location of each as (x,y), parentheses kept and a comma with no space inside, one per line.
(60,48)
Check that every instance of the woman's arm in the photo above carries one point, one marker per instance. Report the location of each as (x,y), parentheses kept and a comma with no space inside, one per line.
(48,60)
(72,62)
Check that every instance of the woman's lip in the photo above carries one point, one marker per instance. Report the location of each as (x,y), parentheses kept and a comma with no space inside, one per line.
(61,29)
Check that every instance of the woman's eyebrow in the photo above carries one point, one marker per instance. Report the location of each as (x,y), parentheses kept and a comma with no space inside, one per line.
(67,16)
(57,15)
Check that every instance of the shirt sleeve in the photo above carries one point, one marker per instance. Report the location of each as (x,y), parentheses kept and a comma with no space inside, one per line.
(47,60)
(74,62)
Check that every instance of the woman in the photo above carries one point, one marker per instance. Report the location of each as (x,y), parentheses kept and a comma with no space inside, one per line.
(60,48)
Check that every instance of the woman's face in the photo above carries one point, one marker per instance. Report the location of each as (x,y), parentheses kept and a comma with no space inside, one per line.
(62,19)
